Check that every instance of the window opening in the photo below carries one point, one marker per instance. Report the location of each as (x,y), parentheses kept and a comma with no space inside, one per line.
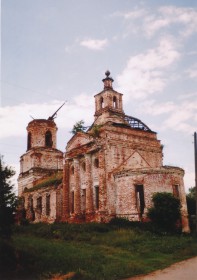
(83,200)
(96,162)
(114,102)
(140,199)
(29,141)
(48,204)
(72,202)
(175,189)
(83,166)
(102,102)
(31,215)
(72,170)
(39,205)
(48,139)
(97,197)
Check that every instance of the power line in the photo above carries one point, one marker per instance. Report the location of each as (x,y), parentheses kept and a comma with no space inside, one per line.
(25,88)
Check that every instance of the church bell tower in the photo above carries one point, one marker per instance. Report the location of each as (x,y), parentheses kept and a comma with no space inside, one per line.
(108,103)
(41,158)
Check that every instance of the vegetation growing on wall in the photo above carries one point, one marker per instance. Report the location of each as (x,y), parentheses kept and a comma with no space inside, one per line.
(78,127)
(53,180)
(95,131)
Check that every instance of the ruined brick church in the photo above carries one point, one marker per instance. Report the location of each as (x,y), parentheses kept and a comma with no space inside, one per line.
(111,170)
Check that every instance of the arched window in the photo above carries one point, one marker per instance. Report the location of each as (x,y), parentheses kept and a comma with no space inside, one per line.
(39,205)
(48,204)
(48,139)
(115,102)
(96,197)
(72,170)
(83,166)
(29,141)
(96,163)
(101,103)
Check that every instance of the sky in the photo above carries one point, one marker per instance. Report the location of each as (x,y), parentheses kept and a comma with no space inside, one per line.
(57,51)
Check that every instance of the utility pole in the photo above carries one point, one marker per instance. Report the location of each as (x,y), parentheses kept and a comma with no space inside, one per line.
(195,159)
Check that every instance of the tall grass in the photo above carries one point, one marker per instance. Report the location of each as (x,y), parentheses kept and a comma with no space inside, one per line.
(91,251)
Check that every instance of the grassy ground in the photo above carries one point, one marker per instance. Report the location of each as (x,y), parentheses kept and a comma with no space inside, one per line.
(91,251)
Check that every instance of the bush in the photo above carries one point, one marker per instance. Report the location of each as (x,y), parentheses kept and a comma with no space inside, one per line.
(166,211)
(191,205)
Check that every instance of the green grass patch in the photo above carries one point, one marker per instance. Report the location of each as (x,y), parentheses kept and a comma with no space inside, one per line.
(91,251)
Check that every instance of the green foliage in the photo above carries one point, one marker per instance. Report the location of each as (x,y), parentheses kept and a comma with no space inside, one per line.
(95,131)
(54,180)
(166,211)
(192,192)
(8,199)
(79,126)
(91,251)
(191,205)
(191,201)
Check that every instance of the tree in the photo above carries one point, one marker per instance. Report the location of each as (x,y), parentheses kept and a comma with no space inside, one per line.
(166,210)
(7,199)
(191,201)
(78,126)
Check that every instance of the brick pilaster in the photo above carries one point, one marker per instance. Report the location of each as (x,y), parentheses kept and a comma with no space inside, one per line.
(89,190)
(66,190)
(102,185)
(133,200)
(77,190)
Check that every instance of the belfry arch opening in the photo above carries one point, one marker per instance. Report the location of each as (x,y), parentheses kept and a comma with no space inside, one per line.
(48,139)
(29,137)
(101,103)
(115,105)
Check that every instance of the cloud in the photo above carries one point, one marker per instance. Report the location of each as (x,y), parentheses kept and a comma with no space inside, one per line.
(178,116)
(154,109)
(145,74)
(182,118)
(183,18)
(14,182)
(93,44)
(134,14)
(14,119)
(192,72)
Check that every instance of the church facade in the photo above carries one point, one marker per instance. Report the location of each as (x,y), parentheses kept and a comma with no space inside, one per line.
(111,170)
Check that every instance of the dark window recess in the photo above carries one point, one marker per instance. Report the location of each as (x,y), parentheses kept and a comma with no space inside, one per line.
(97,197)
(175,189)
(31,208)
(39,205)
(96,162)
(140,199)
(101,103)
(48,198)
(48,139)
(72,170)
(22,202)
(84,166)
(83,200)
(29,141)
(72,202)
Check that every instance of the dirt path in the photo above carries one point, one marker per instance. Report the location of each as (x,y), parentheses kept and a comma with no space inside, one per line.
(185,270)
